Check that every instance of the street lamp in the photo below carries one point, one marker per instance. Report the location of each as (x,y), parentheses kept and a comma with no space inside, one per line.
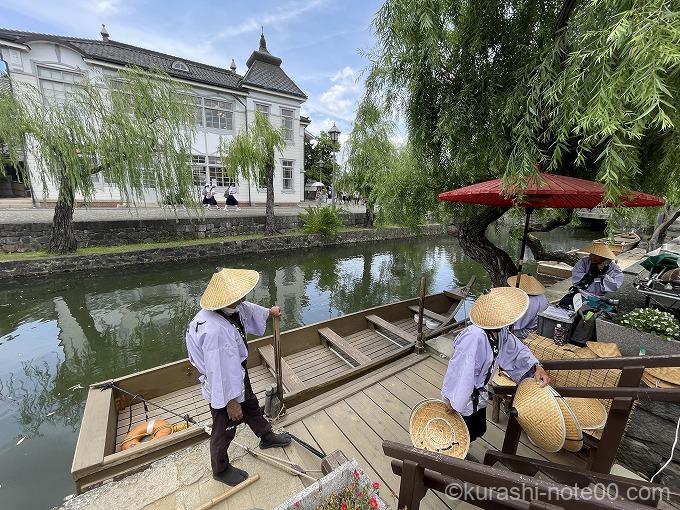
(334,133)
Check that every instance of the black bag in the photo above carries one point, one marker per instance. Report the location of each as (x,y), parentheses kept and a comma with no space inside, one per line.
(583,330)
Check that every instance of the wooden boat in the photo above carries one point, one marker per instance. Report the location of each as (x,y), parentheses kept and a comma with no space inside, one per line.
(620,242)
(315,359)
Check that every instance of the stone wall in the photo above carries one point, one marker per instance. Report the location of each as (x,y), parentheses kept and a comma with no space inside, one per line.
(294,241)
(23,237)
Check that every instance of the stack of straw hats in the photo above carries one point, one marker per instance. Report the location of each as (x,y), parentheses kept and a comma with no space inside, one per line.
(528,284)
(663,377)
(434,429)
(552,422)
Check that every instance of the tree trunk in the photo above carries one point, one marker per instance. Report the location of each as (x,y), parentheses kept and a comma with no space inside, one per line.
(472,238)
(540,253)
(369,216)
(62,239)
(269,223)
(671,214)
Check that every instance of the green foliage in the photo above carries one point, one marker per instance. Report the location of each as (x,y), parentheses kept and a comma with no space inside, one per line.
(252,149)
(358,495)
(319,158)
(322,220)
(489,89)
(649,320)
(135,127)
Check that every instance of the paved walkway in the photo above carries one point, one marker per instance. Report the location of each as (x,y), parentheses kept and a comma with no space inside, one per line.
(44,215)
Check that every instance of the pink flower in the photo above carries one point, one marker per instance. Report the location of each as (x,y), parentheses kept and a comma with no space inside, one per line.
(376,485)
(343,506)
(361,494)
(374,503)
(296,504)
(355,473)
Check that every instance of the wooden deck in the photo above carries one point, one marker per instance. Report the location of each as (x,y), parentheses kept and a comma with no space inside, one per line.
(358,416)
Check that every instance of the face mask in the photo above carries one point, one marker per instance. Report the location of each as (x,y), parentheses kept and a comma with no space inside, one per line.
(231,311)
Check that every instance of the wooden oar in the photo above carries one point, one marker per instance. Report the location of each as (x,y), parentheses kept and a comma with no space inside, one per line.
(278,463)
(276,327)
(218,499)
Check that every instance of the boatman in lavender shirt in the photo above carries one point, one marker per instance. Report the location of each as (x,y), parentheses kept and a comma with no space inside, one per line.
(597,274)
(216,342)
(537,303)
(482,348)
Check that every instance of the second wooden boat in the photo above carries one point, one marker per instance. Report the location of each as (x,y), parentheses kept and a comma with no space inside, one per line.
(621,242)
(315,359)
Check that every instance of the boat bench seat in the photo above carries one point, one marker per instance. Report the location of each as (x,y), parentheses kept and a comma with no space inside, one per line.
(341,344)
(380,323)
(290,379)
(429,314)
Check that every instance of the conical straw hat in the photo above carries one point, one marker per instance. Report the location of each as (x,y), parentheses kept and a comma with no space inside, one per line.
(600,249)
(666,374)
(574,438)
(435,430)
(502,379)
(655,382)
(604,350)
(589,412)
(528,284)
(227,287)
(499,307)
(539,414)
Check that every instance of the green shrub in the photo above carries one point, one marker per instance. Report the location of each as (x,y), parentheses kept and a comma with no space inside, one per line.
(652,321)
(322,220)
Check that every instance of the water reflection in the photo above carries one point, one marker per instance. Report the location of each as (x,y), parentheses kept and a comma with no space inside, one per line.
(60,334)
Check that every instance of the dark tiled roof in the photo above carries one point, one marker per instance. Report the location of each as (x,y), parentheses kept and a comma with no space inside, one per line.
(271,77)
(264,71)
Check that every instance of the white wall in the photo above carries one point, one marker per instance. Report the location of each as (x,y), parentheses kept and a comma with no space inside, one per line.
(23,70)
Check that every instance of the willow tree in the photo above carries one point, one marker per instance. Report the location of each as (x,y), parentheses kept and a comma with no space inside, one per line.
(489,89)
(251,154)
(134,127)
(370,154)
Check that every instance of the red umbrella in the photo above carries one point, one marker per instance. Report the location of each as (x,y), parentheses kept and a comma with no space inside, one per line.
(549,190)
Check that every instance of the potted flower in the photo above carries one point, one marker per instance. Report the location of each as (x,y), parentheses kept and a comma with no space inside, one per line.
(345,488)
(643,330)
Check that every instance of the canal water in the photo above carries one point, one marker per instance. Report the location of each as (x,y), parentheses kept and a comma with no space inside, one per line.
(59,334)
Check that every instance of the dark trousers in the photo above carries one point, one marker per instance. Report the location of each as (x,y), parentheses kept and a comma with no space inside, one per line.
(476,423)
(224,429)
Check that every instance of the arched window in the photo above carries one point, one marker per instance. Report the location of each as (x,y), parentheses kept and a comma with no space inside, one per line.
(180,66)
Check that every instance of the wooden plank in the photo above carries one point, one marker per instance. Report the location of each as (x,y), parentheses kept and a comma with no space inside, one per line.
(290,379)
(300,455)
(326,365)
(395,330)
(369,443)
(429,314)
(307,353)
(325,376)
(456,296)
(97,431)
(347,348)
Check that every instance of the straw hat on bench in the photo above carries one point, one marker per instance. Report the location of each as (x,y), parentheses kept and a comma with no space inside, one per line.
(434,429)
(540,415)
(604,350)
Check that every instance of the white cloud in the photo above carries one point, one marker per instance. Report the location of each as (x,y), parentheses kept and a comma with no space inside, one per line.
(105,7)
(342,97)
(285,13)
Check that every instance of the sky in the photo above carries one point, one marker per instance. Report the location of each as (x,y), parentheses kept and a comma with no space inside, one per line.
(322,42)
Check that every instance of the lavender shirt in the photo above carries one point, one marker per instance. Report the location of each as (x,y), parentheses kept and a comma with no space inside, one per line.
(216,349)
(609,282)
(529,321)
(470,363)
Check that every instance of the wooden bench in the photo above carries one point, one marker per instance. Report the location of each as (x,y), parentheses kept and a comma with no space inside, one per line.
(376,321)
(429,314)
(341,344)
(290,379)
(485,486)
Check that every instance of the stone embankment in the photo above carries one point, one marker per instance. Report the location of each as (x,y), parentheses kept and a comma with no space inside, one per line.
(19,237)
(294,241)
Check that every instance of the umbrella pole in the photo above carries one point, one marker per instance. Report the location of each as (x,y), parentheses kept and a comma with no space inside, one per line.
(528,212)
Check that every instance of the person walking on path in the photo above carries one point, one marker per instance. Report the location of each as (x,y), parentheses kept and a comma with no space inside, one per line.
(209,196)
(230,195)
(484,347)
(217,347)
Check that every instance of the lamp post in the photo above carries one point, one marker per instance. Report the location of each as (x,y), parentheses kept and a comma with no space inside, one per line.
(334,133)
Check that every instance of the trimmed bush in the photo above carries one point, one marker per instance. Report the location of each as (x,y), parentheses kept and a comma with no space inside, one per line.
(322,220)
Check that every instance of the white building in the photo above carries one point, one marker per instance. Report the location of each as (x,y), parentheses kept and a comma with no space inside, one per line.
(225,102)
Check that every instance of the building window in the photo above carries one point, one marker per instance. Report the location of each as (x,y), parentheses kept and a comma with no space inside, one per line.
(263,109)
(198,170)
(287,124)
(219,114)
(198,108)
(287,174)
(219,175)
(56,84)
